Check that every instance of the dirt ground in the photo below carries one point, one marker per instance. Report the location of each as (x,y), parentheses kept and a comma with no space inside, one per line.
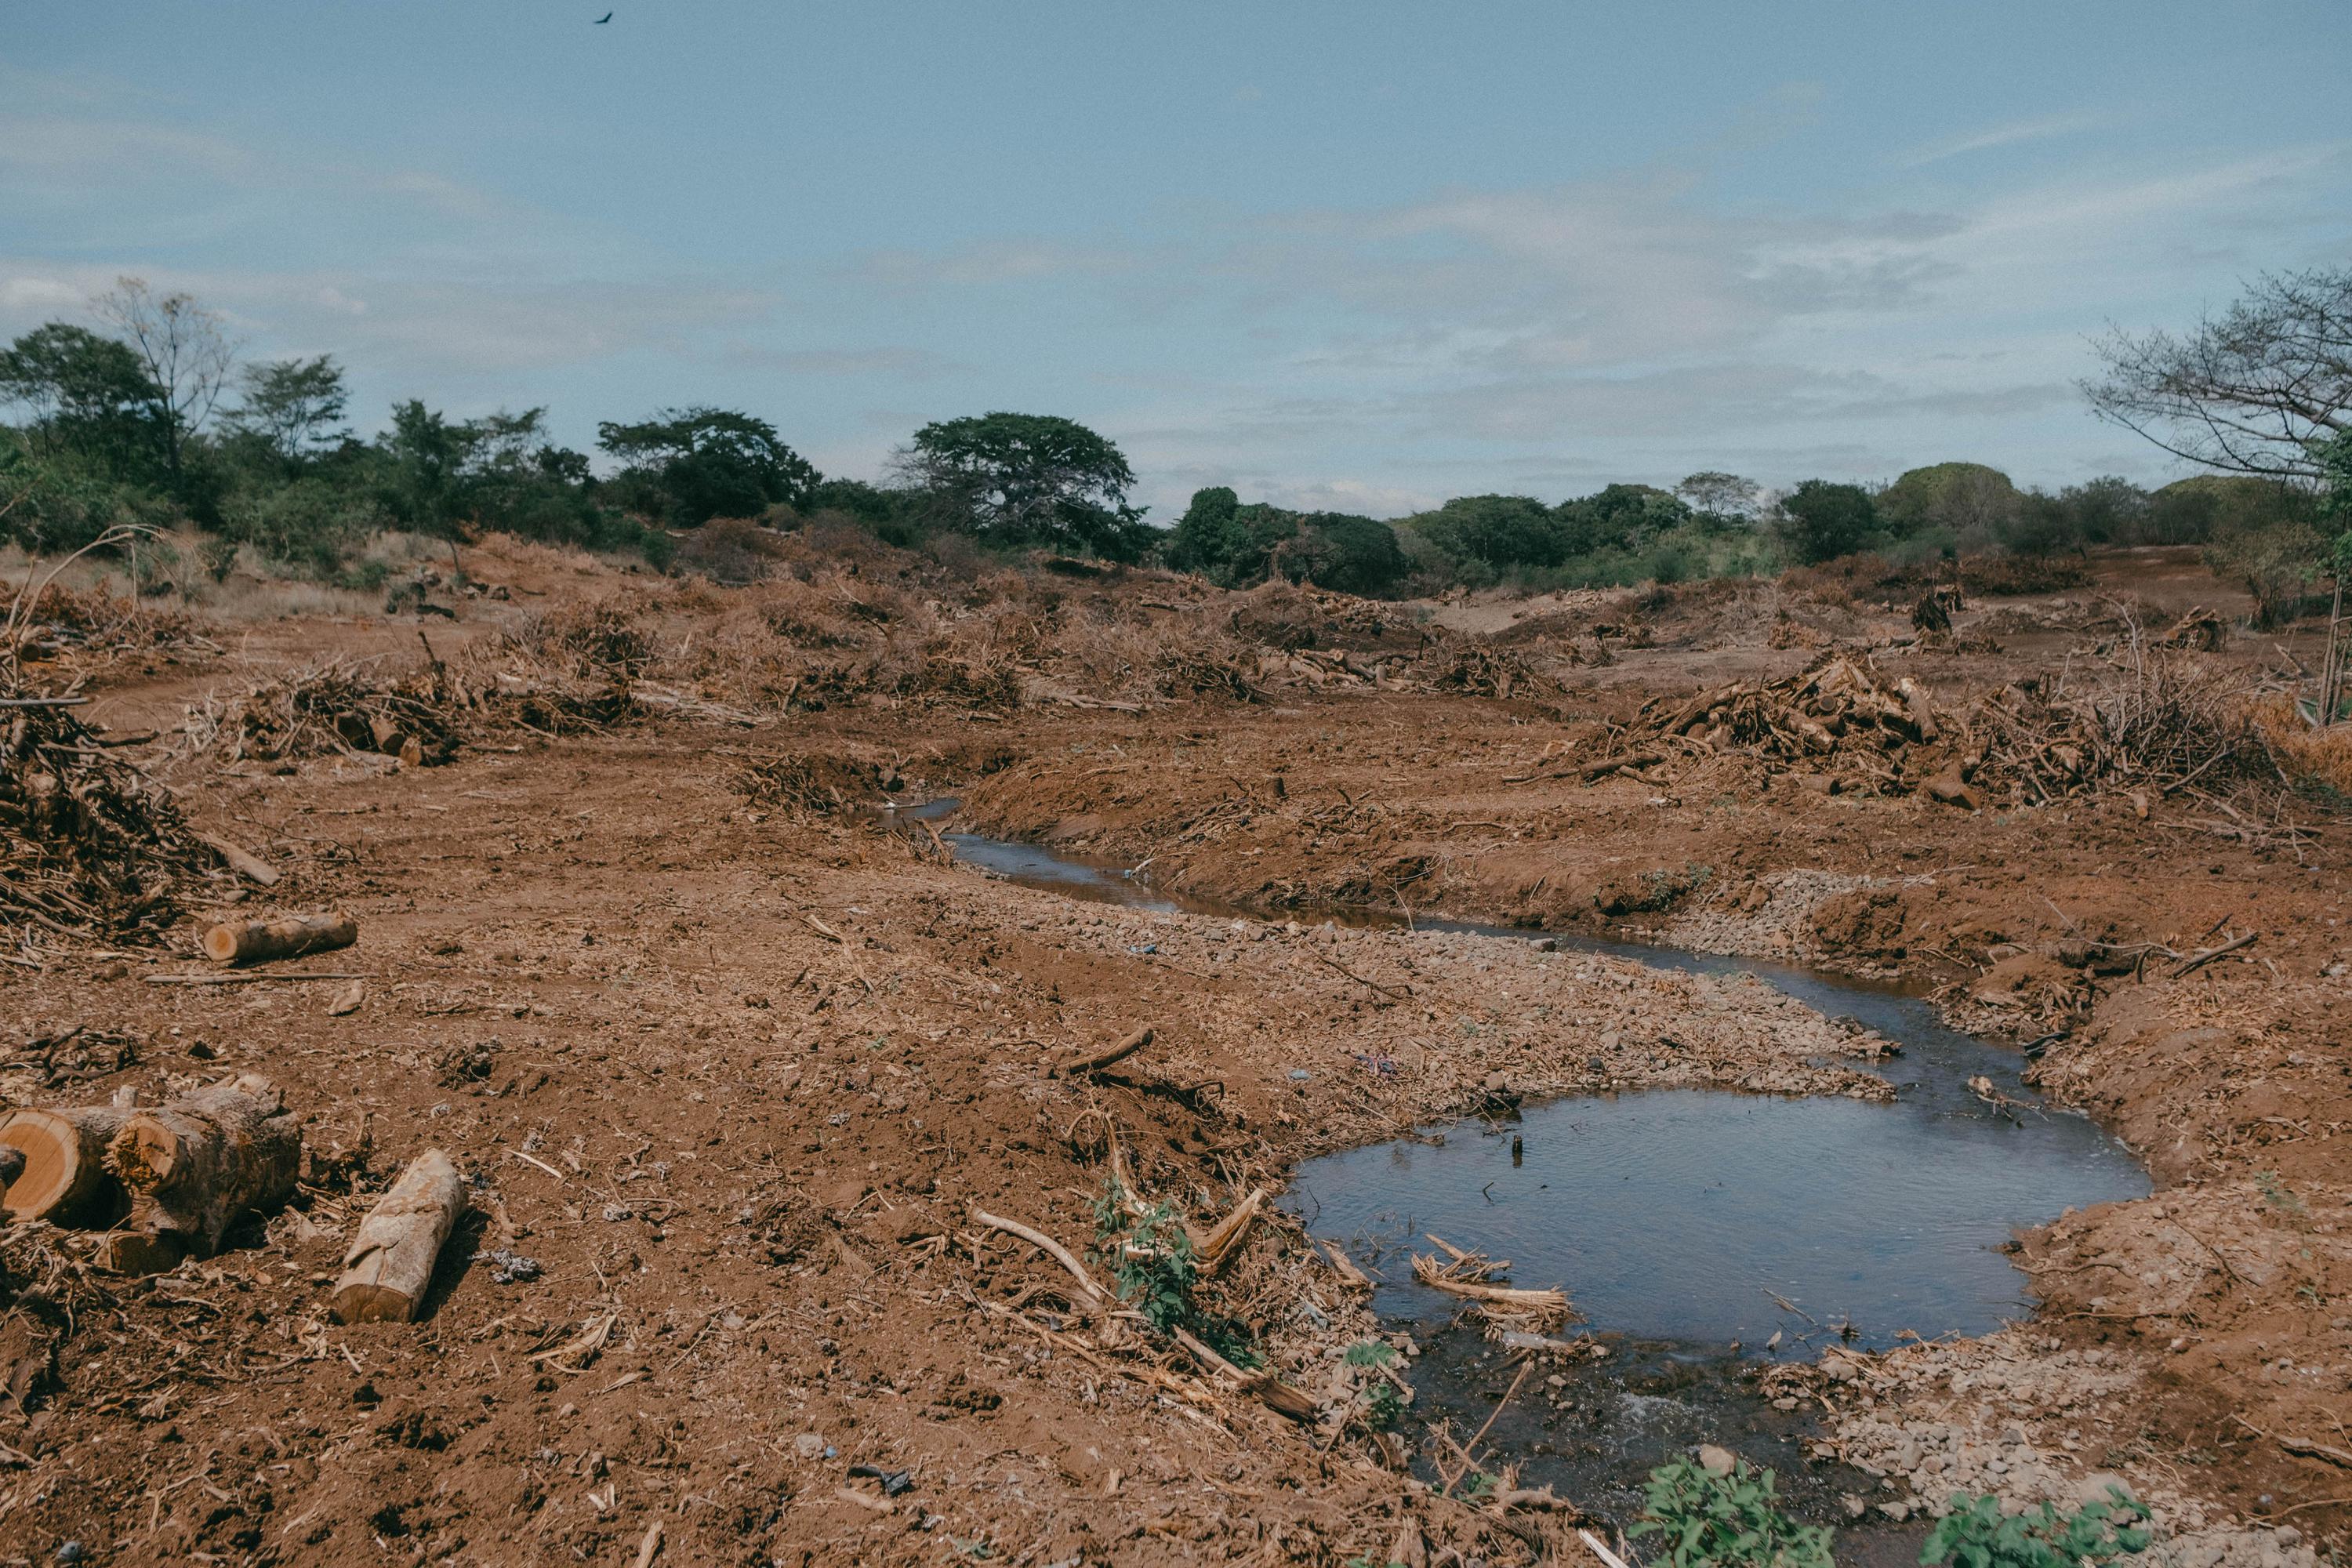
(735,1066)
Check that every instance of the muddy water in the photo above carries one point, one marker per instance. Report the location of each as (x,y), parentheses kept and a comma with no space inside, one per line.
(1692,1227)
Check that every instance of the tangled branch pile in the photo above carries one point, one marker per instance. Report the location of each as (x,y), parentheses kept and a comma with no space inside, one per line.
(2150,718)
(90,847)
(1838,713)
(2155,720)
(336,707)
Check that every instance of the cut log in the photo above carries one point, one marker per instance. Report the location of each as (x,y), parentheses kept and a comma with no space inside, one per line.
(244,862)
(390,1257)
(64,1179)
(286,936)
(1095,1061)
(194,1165)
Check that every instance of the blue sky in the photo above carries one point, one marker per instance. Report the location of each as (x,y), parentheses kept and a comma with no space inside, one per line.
(1356,255)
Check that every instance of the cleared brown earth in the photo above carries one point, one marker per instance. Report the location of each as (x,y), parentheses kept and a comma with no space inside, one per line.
(733,1069)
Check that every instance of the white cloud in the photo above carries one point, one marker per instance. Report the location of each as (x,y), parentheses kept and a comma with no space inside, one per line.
(2042,129)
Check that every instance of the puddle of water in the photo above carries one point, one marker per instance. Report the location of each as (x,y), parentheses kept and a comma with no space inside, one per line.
(1689,1226)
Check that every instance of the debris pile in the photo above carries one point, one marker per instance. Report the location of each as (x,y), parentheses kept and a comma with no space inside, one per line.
(1837,716)
(90,847)
(2154,719)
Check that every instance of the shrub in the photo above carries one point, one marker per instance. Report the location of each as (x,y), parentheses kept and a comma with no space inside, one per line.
(1822,520)
(1978,1534)
(1730,1521)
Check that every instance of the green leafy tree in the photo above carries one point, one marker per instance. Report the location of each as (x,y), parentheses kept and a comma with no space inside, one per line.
(703,463)
(1498,532)
(89,398)
(2109,509)
(1622,517)
(1726,497)
(1977,1533)
(1730,1520)
(1822,520)
(1347,553)
(1230,543)
(292,407)
(1028,478)
(1969,500)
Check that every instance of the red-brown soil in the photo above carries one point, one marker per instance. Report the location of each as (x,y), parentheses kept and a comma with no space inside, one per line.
(734,1066)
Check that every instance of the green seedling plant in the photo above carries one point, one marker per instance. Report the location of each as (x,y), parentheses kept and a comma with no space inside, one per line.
(1383,1401)
(1978,1534)
(1732,1520)
(1151,1262)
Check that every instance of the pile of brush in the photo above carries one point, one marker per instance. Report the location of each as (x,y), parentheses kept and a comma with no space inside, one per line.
(1838,716)
(2152,721)
(336,707)
(90,847)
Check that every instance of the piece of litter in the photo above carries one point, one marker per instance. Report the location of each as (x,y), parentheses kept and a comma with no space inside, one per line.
(508,1268)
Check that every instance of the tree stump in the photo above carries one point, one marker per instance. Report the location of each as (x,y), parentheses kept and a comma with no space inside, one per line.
(192,1167)
(284,936)
(391,1259)
(65,1179)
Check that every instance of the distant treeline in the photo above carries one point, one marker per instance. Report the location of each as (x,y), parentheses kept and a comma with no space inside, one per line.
(150,418)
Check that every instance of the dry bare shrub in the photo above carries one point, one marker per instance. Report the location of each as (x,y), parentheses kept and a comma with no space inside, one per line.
(815,784)
(595,638)
(731,549)
(2318,761)
(2149,716)
(332,708)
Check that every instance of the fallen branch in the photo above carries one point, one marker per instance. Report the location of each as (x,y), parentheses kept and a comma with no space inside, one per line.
(1401,995)
(2199,960)
(1429,1272)
(1221,1243)
(244,862)
(286,936)
(1345,1266)
(1096,1295)
(1079,1066)
(244,979)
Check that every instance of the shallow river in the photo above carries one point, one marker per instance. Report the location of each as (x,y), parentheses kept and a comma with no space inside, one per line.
(1691,1226)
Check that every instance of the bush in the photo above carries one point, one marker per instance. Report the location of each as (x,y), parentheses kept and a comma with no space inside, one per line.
(2279,562)
(307,525)
(1346,553)
(1730,1521)
(1978,1534)
(1822,520)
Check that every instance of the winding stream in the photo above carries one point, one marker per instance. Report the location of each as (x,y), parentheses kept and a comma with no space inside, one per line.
(1698,1230)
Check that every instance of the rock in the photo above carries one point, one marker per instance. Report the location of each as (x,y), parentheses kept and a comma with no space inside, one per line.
(809,1445)
(1715,1461)
(2094,1488)
(1951,789)
(1897,1512)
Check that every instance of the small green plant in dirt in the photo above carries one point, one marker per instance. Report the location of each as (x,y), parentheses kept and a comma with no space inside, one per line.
(1729,1521)
(2275,1193)
(1149,1254)
(1383,1401)
(1978,1534)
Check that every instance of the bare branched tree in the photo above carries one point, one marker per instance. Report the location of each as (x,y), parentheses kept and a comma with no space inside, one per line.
(2249,392)
(184,350)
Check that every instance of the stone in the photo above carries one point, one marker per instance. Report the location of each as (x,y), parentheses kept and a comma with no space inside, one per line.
(1715,1461)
